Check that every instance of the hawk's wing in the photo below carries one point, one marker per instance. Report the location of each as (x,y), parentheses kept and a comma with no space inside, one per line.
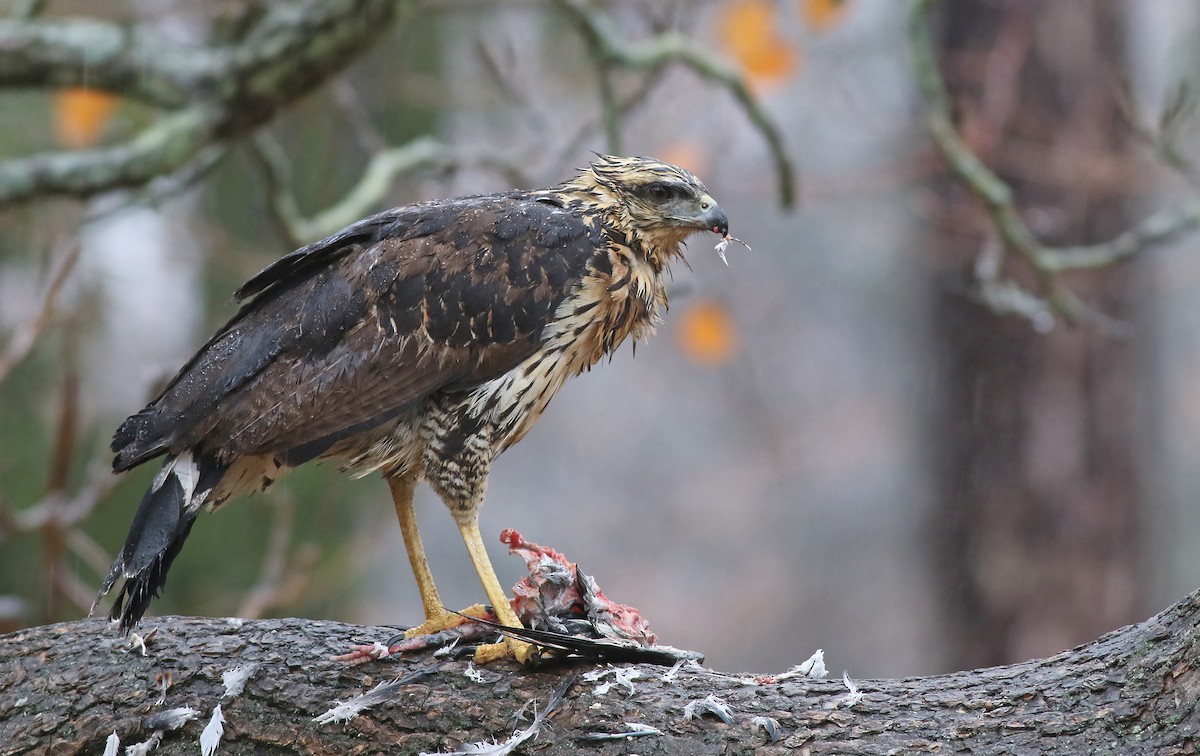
(346,333)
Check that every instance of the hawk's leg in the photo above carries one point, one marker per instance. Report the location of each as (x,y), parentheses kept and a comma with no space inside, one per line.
(436,616)
(468,525)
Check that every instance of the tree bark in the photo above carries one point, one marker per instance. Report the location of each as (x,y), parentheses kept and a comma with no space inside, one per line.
(64,688)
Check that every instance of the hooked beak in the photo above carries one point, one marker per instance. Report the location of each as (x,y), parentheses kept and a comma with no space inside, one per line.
(714,218)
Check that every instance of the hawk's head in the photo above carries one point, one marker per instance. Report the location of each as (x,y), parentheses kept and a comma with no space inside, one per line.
(659,203)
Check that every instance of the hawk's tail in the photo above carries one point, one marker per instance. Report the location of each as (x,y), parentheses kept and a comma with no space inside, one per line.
(161,525)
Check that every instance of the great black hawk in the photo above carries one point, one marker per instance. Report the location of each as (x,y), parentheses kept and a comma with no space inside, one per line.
(420,342)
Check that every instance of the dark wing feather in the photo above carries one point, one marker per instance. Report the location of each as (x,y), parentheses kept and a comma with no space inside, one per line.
(399,224)
(346,333)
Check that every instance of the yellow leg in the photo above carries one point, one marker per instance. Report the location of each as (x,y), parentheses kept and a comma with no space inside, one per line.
(522,651)
(436,616)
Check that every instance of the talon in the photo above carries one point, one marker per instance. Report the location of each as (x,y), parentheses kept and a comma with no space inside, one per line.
(448,621)
(509,648)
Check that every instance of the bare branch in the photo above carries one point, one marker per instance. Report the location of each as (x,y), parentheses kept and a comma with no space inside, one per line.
(364,197)
(281,580)
(670,47)
(998,201)
(23,340)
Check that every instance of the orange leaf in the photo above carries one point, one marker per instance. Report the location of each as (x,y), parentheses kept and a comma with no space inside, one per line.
(821,15)
(707,334)
(750,32)
(685,153)
(80,115)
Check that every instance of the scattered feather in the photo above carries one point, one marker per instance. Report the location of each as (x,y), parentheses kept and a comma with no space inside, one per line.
(139,642)
(632,730)
(770,726)
(146,746)
(520,716)
(171,719)
(112,744)
(623,676)
(813,668)
(474,674)
(670,675)
(163,681)
(351,708)
(447,650)
(710,705)
(235,679)
(503,748)
(211,737)
(855,695)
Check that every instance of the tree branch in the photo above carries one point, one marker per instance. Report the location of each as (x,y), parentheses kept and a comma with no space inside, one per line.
(228,90)
(162,148)
(65,687)
(364,197)
(669,47)
(998,201)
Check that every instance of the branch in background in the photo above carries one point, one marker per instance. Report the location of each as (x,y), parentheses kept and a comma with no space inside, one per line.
(613,109)
(670,47)
(28,8)
(358,116)
(210,94)
(610,111)
(57,519)
(1164,139)
(283,576)
(26,335)
(280,581)
(365,196)
(165,147)
(997,199)
(583,132)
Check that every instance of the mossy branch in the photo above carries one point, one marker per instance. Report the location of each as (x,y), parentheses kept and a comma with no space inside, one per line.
(207,94)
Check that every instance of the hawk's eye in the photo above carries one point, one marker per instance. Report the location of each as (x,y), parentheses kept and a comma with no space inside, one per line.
(659,192)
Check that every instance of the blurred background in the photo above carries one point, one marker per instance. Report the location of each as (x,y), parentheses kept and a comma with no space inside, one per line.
(877,433)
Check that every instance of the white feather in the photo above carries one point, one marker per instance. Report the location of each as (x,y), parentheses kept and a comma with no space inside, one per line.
(709,705)
(235,680)
(813,667)
(172,719)
(210,739)
(146,746)
(351,708)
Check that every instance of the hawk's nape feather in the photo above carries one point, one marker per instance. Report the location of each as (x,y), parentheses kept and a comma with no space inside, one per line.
(420,342)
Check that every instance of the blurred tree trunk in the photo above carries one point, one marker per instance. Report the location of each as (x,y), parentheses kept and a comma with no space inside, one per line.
(1039,518)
